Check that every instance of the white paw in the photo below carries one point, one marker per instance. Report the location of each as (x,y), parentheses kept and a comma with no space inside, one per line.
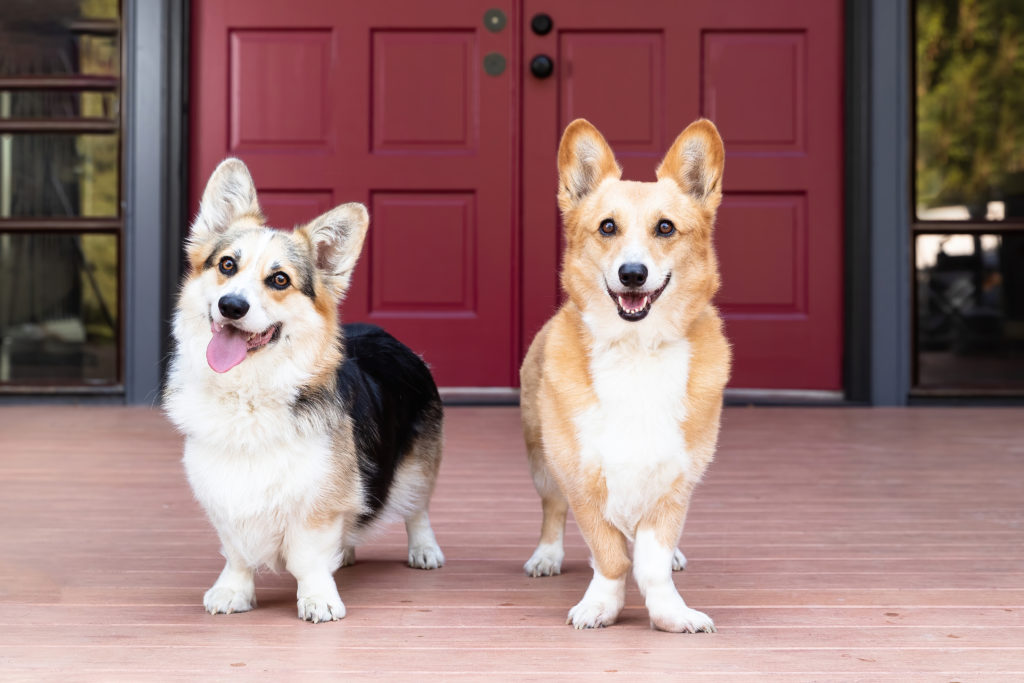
(318,608)
(225,600)
(348,556)
(681,619)
(545,561)
(426,556)
(592,613)
(678,560)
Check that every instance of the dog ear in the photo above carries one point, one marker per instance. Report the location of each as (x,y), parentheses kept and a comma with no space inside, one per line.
(696,162)
(584,160)
(229,195)
(337,238)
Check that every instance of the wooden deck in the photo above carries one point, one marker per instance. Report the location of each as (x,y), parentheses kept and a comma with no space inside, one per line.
(827,544)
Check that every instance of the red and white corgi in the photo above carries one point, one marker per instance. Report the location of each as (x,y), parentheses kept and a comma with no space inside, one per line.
(622,388)
(301,434)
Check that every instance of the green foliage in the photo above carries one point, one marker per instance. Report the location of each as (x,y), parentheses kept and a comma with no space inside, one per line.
(970,101)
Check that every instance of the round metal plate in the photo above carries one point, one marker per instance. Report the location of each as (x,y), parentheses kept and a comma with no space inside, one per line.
(494,20)
(494,64)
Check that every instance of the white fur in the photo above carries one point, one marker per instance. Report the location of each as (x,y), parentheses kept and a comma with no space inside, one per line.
(633,434)
(546,559)
(312,556)
(652,567)
(601,604)
(424,553)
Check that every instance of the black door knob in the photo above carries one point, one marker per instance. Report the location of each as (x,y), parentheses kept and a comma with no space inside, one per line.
(541,24)
(541,66)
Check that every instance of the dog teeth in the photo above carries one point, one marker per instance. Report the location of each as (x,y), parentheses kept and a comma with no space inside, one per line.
(630,309)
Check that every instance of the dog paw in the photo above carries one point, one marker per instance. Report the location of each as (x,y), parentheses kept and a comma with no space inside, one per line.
(590,613)
(318,608)
(678,560)
(545,561)
(426,557)
(226,600)
(348,556)
(682,620)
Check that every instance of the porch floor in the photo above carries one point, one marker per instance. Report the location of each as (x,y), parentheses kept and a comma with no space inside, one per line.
(827,544)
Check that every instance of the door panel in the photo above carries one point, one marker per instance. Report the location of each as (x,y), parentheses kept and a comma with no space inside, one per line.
(770,76)
(385,103)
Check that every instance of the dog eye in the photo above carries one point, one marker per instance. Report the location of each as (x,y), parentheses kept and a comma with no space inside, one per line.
(279,281)
(608,227)
(227,265)
(665,228)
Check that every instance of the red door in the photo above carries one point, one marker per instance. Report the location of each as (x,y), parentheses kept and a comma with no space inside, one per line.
(386,103)
(770,75)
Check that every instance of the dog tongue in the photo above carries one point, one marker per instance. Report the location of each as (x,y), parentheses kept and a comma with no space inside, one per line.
(227,348)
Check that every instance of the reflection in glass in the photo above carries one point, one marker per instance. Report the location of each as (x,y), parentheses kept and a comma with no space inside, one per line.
(39,44)
(58,309)
(51,175)
(970,311)
(57,104)
(970,110)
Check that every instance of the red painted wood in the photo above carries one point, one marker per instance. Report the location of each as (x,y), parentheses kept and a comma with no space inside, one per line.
(770,75)
(387,104)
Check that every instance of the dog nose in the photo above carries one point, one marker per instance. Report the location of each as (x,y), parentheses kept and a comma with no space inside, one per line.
(233,306)
(632,274)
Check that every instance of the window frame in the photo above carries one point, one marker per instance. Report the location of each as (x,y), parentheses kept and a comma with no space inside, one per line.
(71,224)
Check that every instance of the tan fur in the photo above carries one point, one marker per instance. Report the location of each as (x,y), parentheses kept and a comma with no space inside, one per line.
(557,382)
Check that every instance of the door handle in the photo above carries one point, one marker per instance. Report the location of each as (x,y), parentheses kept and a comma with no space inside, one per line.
(542,66)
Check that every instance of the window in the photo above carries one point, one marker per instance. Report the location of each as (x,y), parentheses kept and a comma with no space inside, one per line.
(60,195)
(968,222)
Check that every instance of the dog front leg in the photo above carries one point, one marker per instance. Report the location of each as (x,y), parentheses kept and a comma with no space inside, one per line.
(654,551)
(606,594)
(235,589)
(312,555)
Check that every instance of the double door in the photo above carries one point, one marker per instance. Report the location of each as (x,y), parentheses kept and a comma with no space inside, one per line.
(444,119)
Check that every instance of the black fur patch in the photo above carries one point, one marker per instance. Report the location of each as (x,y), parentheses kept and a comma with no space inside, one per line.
(390,395)
(305,269)
(212,258)
(307,279)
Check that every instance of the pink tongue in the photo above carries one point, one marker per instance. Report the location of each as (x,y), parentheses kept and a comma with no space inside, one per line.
(227,349)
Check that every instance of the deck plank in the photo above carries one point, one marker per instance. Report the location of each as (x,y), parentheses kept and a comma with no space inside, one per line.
(828,544)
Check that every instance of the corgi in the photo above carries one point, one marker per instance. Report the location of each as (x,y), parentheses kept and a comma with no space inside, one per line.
(301,435)
(622,388)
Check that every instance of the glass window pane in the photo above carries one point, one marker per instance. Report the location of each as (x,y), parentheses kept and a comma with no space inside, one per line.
(58,175)
(57,104)
(16,11)
(58,309)
(970,311)
(55,38)
(970,110)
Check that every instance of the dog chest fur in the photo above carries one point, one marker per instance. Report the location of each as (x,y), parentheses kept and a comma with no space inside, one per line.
(256,472)
(633,433)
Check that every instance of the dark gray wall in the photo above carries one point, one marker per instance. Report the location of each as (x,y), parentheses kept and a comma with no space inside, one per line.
(154,117)
(889,255)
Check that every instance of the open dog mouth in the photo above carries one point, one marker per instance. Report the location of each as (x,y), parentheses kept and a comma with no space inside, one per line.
(230,344)
(634,305)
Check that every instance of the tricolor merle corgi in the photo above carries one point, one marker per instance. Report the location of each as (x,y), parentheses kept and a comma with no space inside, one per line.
(301,434)
(622,388)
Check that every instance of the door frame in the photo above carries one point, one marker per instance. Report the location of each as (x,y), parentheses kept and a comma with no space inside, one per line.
(878,140)
(876,335)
